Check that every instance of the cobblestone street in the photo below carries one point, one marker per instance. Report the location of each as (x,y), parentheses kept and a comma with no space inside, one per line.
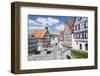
(56,54)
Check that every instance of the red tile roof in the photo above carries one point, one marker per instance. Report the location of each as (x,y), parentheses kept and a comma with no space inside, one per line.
(39,33)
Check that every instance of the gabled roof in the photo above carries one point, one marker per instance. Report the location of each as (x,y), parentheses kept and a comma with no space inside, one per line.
(39,33)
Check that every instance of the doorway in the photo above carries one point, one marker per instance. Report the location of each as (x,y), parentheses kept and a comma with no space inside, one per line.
(80,46)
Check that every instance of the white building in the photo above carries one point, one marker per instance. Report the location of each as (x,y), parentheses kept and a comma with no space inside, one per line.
(68,35)
(80,34)
(32,44)
(43,38)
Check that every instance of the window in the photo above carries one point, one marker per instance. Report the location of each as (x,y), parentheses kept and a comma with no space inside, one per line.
(74,28)
(80,46)
(79,18)
(86,35)
(75,36)
(78,35)
(81,35)
(86,46)
(85,24)
(79,26)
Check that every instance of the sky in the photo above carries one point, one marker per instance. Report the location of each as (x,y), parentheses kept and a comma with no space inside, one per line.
(54,23)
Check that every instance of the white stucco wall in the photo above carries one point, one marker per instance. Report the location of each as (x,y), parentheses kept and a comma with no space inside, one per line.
(76,45)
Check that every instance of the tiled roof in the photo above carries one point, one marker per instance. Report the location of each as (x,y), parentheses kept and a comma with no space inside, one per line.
(39,33)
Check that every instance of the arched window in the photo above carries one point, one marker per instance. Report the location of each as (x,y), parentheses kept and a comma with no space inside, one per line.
(86,46)
(80,46)
(86,35)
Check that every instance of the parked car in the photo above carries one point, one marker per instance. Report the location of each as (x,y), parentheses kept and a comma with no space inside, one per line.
(36,52)
(45,49)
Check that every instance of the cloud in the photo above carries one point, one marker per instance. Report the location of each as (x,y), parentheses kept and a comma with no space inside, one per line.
(34,27)
(47,21)
(41,20)
(51,21)
(33,23)
(60,27)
